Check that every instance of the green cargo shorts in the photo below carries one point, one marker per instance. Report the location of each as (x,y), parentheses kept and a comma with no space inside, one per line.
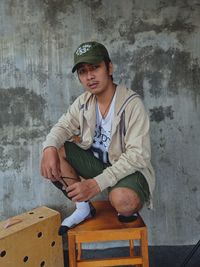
(88,166)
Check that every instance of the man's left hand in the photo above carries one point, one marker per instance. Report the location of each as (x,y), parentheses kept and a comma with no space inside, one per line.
(84,190)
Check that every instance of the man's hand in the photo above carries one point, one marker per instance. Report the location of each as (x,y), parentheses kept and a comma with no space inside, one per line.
(50,164)
(84,190)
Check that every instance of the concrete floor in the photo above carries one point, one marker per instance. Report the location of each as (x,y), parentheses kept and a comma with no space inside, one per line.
(165,256)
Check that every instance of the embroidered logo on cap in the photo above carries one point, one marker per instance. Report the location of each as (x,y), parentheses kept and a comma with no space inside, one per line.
(83,49)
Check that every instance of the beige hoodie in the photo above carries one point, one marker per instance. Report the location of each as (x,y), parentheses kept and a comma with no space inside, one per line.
(129,149)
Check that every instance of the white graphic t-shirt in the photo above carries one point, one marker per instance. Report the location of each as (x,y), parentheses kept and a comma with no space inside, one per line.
(102,135)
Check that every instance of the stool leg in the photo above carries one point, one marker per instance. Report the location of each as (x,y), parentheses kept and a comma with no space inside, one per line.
(144,248)
(138,265)
(131,246)
(72,250)
(79,247)
(132,253)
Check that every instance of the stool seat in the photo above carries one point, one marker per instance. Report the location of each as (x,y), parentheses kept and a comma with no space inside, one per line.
(105,226)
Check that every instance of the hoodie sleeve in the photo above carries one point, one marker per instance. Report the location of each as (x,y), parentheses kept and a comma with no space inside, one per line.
(67,126)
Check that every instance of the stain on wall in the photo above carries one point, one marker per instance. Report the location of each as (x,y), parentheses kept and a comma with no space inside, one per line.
(54,8)
(161,113)
(22,121)
(171,69)
(21,107)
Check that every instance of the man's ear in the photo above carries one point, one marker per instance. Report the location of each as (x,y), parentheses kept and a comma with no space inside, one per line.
(110,68)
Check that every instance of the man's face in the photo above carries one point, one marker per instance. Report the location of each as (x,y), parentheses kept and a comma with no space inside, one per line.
(95,78)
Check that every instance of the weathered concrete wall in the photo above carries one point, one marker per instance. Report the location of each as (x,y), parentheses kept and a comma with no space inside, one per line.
(155,47)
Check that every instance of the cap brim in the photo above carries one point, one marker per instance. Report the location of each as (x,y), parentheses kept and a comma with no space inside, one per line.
(87,60)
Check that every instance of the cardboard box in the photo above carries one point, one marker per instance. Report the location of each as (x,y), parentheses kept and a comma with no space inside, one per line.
(32,240)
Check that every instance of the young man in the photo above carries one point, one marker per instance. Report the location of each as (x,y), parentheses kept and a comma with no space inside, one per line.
(101,142)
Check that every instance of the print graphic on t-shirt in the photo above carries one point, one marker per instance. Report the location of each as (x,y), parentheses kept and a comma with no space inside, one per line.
(102,135)
(101,143)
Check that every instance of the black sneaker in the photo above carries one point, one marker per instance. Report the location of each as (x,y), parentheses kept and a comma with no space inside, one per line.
(63,229)
(92,210)
(127,219)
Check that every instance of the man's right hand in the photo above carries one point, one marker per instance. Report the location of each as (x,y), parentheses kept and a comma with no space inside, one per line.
(50,164)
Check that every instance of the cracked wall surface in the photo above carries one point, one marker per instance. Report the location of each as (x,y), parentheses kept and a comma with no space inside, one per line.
(155,48)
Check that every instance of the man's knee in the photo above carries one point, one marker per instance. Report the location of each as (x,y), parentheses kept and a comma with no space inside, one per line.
(125,201)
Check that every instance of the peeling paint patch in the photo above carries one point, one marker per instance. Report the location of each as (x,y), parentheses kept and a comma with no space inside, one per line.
(178,25)
(13,158)
(8,198)
(18,105)
(194,189)
(159,114)
(127,31)
(100,24)
(26,182)
(198,218)
(137,83)
(22,122)
(163,72)
(162,142)
(94,5)
(154,20)
(54,7)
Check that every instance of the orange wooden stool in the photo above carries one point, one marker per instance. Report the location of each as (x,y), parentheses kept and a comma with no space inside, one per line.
(105,226)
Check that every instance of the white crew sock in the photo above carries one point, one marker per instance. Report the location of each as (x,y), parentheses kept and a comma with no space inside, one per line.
(79,215)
